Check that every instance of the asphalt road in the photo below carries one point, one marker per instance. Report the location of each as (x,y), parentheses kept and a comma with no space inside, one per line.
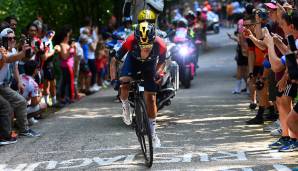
(203,129)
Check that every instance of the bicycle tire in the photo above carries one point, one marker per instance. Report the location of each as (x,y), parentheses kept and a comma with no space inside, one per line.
(143,131)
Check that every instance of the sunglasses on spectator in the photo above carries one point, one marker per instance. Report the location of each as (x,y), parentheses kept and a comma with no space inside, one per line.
(11,38)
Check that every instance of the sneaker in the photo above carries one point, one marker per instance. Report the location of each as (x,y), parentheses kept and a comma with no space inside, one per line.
(279,143)
(253,106)
(104,86)
(30,133)
(236,92)
(126,114)
(276,132)
(291,146)
(155,141)
(244,90)
(32,121)
(7,141)
(96,87)
(106,83)
(275,125)
(93,89)
(255,121)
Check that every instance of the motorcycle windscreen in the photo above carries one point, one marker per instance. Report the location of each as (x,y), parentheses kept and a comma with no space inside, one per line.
(180,35)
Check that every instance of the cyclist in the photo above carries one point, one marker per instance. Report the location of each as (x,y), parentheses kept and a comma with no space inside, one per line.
(146,53)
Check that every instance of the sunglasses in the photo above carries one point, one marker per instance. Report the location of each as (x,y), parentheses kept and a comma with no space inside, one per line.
(148,46)
(11,38)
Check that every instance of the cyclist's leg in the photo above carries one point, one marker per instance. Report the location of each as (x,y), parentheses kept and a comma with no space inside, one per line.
(125,77)
(150,87)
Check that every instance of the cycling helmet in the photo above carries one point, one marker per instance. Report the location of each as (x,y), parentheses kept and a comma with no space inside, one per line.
(157,5)
(145,33)
(190,15)
(147,15)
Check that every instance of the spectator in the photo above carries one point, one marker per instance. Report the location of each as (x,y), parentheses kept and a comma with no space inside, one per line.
(101,64)
(12,21)
(66,53)
(5,110)
(48,68)
(31,91)
(11,97)
(85,73)
(79,56)
(92,43)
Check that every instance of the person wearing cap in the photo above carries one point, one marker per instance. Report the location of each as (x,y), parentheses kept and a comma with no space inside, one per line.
(9,98)
(48,68)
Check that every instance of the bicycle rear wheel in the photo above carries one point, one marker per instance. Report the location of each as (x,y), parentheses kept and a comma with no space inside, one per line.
(143,131)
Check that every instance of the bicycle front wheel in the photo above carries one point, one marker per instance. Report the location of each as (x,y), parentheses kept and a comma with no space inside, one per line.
(144,132)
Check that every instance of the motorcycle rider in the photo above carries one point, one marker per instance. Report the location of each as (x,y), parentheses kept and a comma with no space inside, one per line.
(146,53)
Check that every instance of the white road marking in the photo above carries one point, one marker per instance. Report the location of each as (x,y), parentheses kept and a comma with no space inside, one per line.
(240,155)
(107,161)
(75,163)
(20,167)
(280,167)
(102,149)
(50,165)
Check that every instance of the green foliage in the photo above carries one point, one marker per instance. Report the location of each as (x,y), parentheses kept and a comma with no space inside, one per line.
(56,13)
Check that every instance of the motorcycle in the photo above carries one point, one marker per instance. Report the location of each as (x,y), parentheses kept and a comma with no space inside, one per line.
(170,80)
(184,53)
(212,22)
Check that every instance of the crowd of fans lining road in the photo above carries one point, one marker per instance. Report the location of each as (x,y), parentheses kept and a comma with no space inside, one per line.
(44,68)
(266,35)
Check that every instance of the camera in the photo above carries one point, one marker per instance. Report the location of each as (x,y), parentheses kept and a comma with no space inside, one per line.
(291,61)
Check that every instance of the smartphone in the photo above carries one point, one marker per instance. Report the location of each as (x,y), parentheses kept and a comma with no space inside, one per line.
(292,43)
(4,42)
(292,66)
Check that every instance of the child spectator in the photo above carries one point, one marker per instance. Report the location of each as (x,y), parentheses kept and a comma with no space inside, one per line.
(101,64)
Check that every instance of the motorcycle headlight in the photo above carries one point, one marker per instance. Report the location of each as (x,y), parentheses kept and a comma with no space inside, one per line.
(183,51)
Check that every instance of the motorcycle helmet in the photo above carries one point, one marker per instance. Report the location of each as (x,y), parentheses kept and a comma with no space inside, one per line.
(157,5)
(147,15)
(145,33)
(190,15)
(182,22)
(127,20)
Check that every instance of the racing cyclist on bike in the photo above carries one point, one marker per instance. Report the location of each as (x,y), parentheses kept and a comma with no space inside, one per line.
(146,53)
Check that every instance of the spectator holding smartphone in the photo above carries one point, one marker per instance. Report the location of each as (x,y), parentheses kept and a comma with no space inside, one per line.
(10,98)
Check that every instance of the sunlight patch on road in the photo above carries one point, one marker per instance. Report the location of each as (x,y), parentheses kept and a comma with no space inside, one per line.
(211,119)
